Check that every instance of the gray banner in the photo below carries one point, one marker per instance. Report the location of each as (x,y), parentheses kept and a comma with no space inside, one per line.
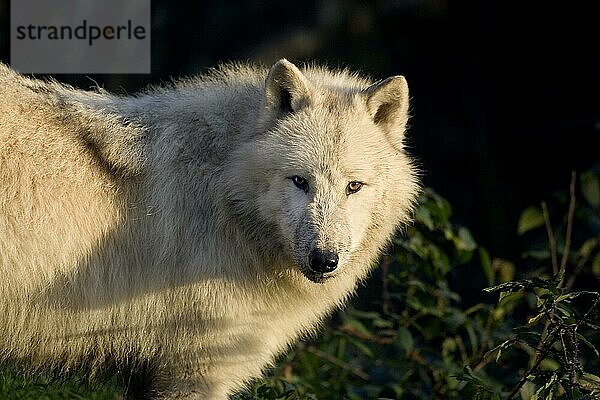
(80,36)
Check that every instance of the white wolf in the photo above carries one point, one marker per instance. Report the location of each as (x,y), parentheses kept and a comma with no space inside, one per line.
(193,231)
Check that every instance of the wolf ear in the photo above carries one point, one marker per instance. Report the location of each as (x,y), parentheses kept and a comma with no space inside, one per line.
(286,89)
(387,104)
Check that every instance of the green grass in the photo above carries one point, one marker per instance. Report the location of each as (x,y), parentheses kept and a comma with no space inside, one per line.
(17,386)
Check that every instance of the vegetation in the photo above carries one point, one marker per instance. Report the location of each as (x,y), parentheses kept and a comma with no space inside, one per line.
(419,340)
(14,385)
(414,337)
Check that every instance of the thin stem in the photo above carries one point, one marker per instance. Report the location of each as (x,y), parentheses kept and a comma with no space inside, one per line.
(569,363)
(370,338)
(462,349)
(541,356)
(343,365)
(596,299)
(565,256)
(551,239)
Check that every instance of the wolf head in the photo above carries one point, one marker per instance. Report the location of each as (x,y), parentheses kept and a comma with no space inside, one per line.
(330,178)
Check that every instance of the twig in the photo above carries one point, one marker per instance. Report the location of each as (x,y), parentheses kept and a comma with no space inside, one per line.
(343,365)
(462,349)
(551,238)
(370,338)
(565,256)
(570,365)
(584,317)
(543,348)
(485,344)
(541,357)
(415,317)
(486,356)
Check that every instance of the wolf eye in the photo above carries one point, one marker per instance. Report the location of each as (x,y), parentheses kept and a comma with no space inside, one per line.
(300,183)
(353,187)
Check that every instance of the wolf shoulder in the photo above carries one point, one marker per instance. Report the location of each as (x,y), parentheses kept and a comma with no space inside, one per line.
(195,120)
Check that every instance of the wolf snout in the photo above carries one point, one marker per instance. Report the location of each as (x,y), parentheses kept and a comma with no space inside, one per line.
(322,261)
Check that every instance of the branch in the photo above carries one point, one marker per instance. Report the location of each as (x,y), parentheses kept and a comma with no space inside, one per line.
(541,356)
(551,239)
(570,361)
(565,256)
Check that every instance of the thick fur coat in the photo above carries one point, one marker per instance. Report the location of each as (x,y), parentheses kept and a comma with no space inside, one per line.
(195,230)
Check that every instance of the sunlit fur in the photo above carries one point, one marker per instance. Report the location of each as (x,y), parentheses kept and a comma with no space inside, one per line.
(163,229)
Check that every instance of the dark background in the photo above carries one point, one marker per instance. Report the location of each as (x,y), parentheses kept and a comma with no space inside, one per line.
(504,93)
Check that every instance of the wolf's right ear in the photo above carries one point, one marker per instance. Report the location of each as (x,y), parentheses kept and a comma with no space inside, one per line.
(286,89)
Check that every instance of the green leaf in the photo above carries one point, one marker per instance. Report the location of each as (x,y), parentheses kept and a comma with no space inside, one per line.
(542,254)
(530,219)
(546,392)
(442,208)
(590,187)
(596,266)
(589,381)
(423,216)
(527,391)
(573,295)
(474,309)
(504,346)
(455,319)
(587,247)
(529,284)
(513,286)
(503,295)
(565,311)
(466,241)
(475,387)
(549,364)
(366,350)
(526,335)
(505,269)
(417,284)
(357,326)
(405,339)
(486,265)
(567,296)
(449,345)
(588,343)
(382,323)
(536,319)
(439,259)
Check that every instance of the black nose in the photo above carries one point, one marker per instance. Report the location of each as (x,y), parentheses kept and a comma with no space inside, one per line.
(322,261)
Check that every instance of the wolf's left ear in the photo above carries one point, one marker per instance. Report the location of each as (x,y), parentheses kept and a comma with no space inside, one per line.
(286,89)
(387,103)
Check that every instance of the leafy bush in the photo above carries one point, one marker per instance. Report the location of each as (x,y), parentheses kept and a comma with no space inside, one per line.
(420,341)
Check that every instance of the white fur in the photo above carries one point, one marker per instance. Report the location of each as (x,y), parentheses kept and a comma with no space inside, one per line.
(164,227)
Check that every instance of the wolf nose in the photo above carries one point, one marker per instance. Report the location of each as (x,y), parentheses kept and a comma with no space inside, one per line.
(323,261)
